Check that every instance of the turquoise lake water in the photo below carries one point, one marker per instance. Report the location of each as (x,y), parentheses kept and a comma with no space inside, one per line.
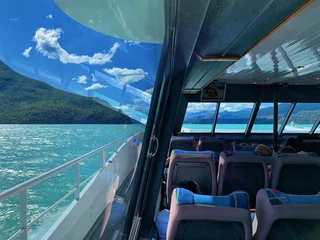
(240,128)
(26,151)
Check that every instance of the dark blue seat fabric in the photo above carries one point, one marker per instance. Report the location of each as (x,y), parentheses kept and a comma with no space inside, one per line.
(247,171)
(181,142)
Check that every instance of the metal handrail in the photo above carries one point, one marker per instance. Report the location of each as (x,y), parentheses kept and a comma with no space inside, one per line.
(23,187)
(30,183)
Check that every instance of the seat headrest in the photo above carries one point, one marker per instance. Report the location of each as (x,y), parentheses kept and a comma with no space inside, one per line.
(183,137)
(233,153)
(211,138)
(278,198)
(310,154)
(209,153)
(244,148)
(237,199)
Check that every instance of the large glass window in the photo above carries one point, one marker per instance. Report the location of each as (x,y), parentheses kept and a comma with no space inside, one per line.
(264,120)
(199,117)
(233,117)
(318,129)
(72,83)
(302,118)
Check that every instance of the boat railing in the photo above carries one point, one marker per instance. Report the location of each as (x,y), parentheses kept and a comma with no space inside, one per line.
(22,188)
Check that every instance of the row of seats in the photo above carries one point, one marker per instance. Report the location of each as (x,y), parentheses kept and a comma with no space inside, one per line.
(278,216)
(205,143)
(304,142)
(247,171)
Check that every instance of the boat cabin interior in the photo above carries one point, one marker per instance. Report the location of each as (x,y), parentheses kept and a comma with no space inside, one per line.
(231,146)
(219,56)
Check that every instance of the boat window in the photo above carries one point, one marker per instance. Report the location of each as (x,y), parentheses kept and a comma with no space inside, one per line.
(264,120)
(303,117)
(75,77)
(199,117)
(233,117)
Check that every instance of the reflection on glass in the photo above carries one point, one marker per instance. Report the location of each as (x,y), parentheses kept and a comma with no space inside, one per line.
(59,70)
(233,117)
(318,129)
(264,120)
(303,117)
(199,117)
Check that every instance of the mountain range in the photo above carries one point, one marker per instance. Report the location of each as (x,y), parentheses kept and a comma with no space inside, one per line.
(24,100)
(303,113)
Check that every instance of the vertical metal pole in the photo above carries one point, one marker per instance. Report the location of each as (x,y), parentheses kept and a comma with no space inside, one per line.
(275,119)
(77,181)
(102,160)
(23,215)
(215,119)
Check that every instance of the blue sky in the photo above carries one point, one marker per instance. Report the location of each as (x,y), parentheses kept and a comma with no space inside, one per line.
(40,41)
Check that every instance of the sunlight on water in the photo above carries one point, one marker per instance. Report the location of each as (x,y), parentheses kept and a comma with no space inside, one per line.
(26,151)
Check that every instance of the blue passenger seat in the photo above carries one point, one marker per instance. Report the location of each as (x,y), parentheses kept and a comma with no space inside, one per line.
(296,173)
(281,216)
(198,217)
(247,171)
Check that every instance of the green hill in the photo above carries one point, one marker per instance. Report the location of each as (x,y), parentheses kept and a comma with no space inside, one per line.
(24,100)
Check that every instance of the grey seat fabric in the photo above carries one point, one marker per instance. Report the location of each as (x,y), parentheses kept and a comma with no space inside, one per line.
(281,216)
(198,217)
(212,144)
(182,142)
(247,171)
(192,166)
(295,173)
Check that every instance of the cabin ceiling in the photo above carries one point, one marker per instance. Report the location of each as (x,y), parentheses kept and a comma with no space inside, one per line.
(248,42)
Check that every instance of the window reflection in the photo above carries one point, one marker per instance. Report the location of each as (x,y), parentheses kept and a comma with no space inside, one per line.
(233,117)
(264,120)
(303,117)
(199,117)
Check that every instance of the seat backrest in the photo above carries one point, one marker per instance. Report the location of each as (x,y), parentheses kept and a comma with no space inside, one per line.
(286,217)
(296,173)
(194,216)
(247,171)
(308,143)
(212,144)
(192,166)
(182,142)
(238,147)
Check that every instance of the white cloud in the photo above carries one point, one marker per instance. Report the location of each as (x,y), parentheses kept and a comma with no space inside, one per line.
(150,90)
(199,107)
(125,75)
(13,19)
(49,16)
(48,45)
(140,95)
(94,79)
(80,79)
(95,86)
(234,107)
(26,52)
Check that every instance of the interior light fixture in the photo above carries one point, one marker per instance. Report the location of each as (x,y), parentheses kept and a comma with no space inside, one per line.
(318,78)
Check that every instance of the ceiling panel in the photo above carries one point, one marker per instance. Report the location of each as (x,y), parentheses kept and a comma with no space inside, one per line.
(201,72)
(232,27)
(291,54)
